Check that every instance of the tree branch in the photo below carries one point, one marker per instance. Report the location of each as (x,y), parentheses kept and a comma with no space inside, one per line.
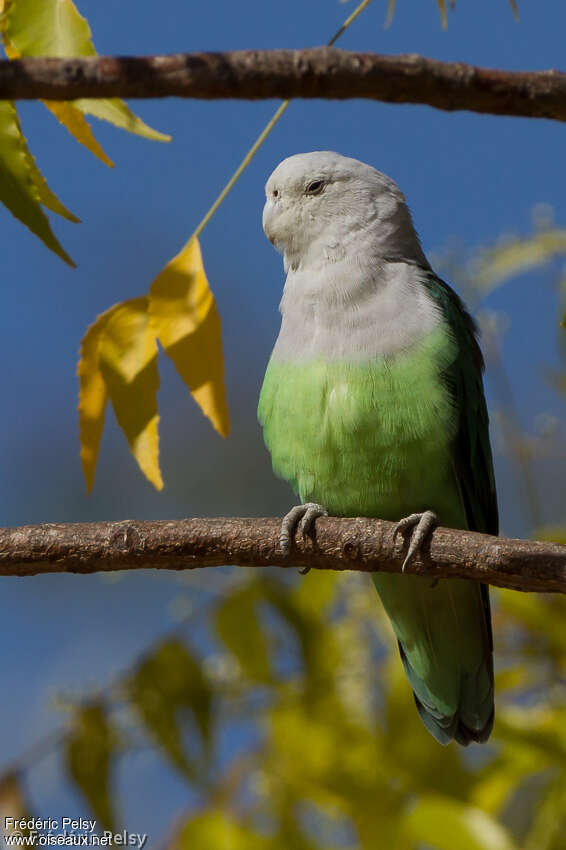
(321,72)
(341,544)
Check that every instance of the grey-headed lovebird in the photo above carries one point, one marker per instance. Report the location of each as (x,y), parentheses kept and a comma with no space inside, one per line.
(373,405)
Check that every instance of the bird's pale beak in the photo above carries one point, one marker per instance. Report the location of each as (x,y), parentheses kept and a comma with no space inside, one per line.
(268,221)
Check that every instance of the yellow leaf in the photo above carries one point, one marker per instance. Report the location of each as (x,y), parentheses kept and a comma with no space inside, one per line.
(219,830)
(118,113)
(186,322)
(128,361)
(442,8)
(56,28)
(78,126)
(92,396)
(518,255)
(445,823)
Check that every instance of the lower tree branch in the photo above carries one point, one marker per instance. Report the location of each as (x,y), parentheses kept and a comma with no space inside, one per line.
(341,544)
(321,72)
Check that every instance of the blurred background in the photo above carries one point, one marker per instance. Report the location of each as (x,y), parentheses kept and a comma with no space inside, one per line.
(274,709)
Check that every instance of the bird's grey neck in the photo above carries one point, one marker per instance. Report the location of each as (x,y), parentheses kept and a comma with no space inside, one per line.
(353,309)
(376,241)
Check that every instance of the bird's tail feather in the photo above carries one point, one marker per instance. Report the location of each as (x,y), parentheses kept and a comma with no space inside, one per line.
(444,633)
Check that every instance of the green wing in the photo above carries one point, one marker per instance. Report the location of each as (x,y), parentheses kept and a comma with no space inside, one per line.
(471,451)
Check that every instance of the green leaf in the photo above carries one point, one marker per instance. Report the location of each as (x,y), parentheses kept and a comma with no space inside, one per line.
(445,824)
(48,198)
(46,28)
(239,628)
(56,28)
(19,181)
(165,686)
(89,748)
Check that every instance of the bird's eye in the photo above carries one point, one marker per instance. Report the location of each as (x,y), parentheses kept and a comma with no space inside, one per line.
(275,193)
(315,187)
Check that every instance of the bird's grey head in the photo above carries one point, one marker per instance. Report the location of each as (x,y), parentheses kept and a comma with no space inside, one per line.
(321,207)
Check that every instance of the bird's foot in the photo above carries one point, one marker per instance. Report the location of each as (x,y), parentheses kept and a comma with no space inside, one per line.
(420,526)
(303,516)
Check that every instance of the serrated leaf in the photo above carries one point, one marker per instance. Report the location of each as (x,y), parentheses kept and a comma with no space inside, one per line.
(89,748)
(46,28)
(127,357)
(444,824)
(186,321)
(118,113)
(18,175)
(239,628)
(48,198)
(56,28)
(165,685)
(93,396)
(77,125)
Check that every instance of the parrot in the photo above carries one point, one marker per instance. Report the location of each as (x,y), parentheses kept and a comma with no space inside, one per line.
(373,405)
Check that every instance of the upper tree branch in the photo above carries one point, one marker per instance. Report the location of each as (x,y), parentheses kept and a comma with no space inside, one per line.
(321,72)
(341,544)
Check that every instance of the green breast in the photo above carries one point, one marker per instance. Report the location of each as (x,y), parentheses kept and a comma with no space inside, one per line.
(369,439)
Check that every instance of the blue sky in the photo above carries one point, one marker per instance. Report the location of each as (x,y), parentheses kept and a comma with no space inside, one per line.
(468,178)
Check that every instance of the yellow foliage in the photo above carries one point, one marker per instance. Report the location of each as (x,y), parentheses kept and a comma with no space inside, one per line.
(78,127)
(518,255)
(446,824)
(127,359)
(56,28)
(119,361)
(92,397)
(217,830)
(186,322)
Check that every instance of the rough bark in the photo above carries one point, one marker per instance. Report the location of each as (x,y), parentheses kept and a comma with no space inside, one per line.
(322,72)
(341,544)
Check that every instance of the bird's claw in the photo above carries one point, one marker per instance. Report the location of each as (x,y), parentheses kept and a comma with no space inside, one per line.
(303,516)
(420,525)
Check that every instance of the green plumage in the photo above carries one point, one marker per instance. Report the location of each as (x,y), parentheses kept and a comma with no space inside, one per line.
(386,438)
